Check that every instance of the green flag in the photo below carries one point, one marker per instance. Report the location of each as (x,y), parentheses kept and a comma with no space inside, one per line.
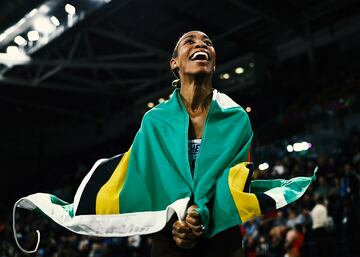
(138,192)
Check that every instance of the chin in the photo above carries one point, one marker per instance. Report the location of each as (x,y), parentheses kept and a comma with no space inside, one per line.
(201,72)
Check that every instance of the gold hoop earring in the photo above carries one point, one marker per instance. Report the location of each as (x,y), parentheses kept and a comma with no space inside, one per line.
(175,83)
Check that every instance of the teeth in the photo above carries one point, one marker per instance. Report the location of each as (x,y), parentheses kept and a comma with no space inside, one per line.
(199,53)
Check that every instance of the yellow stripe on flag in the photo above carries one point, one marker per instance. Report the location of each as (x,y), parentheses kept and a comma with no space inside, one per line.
(246,203)
(107,199)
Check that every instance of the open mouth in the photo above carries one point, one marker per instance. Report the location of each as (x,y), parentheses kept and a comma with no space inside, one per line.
(200,56)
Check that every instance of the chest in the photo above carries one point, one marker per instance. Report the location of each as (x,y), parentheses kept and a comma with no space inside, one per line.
(196,125)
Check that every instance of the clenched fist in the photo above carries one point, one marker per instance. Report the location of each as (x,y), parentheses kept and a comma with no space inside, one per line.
(186,232)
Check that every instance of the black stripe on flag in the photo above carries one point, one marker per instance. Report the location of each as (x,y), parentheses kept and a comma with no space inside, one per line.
(87,203)
(250,166)
(266,202)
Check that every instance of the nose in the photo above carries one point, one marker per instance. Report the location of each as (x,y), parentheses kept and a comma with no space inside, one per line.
(200,44)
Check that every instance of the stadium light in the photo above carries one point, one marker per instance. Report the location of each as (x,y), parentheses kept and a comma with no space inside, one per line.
(2,36)
(13,56)
(44,25)
(21,22)
(161,100)
(7,32)
(32,13)
(225,76)
(33,35)
(290,148)
(20,41)
(239,70)
(248,109)
(55,21)
(70,9)
(12,51)
(263,166)
(303,146)
(44,9)
(150,105)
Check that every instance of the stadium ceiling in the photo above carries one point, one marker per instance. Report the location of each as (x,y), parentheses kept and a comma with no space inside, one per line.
(93,59)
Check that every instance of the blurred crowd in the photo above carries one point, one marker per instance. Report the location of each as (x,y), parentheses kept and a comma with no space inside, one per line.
(324,222)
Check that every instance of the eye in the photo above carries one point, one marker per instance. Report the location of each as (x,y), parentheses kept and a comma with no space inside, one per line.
(208,42)
(189,41)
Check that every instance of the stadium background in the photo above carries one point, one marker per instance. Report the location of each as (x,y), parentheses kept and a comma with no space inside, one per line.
(77,76)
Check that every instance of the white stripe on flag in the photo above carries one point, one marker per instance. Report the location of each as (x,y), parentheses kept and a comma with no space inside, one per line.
(127,224)
(84,182)
(278,195)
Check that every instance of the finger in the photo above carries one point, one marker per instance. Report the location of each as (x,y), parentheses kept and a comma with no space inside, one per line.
(197,231)
(180,241)
(186,244)
(185,236)
(197,235)
(195,221)
(181,227)
(182,230)
(193,212)
(192,208)
(179,235)
(194,215)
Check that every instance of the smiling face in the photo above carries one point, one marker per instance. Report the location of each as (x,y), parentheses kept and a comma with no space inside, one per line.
(194,54)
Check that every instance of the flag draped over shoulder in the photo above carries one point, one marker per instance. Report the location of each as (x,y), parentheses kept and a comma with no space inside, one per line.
(139,191)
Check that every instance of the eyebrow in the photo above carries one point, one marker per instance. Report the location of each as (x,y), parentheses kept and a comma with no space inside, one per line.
(193,36)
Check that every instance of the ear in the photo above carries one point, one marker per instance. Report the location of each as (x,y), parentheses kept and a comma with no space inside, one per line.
(173,64)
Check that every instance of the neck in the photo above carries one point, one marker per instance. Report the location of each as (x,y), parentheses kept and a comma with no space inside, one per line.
(196,93)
